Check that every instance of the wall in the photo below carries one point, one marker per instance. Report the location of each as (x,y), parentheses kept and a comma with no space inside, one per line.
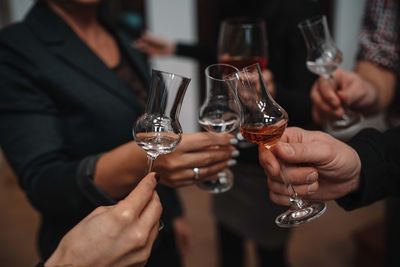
(348,17)
(176,20)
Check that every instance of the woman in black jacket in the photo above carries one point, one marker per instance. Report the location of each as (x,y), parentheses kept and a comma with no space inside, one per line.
(70,89)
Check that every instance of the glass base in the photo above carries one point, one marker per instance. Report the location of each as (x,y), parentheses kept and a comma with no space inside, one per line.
(294,217)
(223,183)
(349,119)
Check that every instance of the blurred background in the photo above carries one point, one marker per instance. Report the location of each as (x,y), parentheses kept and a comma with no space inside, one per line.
(338,238)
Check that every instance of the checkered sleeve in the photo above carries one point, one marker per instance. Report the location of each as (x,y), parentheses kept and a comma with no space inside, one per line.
(379,38)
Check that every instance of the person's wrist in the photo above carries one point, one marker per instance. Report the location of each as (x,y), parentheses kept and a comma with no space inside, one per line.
(58,259)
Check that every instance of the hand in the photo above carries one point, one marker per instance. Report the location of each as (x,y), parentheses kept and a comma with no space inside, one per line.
(119,235)
(318,166)
(155,46)
(347,89)
(183,236)
(208,151)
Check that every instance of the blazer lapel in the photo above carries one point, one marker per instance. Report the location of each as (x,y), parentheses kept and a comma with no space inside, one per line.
(71,49)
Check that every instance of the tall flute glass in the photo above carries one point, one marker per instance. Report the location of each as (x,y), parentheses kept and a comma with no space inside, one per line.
(263,122)
(323,58)
(219,113)
(158,130)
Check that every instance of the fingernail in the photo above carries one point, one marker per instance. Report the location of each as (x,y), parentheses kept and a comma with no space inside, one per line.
(235,153)
(288,149)
(311,188)
(312,177)
(233,141)
(158,177)
(231,162)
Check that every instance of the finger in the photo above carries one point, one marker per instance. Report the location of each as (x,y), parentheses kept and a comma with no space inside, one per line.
(327,92)
(323,105)
(138,199)
(201,140)
(279,199)
(151,213)
(268,161)
(190,160)
(296,175)
(308,152)
(288,190)
(187,176)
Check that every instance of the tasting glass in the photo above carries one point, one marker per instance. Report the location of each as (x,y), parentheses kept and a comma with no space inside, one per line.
(263,122)
(219,113)
(323,58)
(158,130)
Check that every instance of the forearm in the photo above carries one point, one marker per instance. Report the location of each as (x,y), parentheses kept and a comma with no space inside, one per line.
(382,81)
(119,170)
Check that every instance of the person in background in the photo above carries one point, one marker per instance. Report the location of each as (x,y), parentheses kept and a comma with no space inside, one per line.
(71,87)
(244,213)
(370,88)
(119,235)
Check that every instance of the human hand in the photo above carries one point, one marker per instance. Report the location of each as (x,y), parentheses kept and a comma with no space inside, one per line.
(209,152)
(119,235)
(347,89)
(317,165)
(183,235)
(155,46)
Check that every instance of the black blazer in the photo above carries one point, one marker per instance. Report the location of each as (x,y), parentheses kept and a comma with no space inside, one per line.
(61,107)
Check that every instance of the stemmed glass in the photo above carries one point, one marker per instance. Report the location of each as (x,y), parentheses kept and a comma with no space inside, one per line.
(323,58)
(263,122)
(242,41)
(219,113)
(158,130)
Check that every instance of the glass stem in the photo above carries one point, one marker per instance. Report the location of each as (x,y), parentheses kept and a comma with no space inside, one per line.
(295,201)
(330,78)
(150,162)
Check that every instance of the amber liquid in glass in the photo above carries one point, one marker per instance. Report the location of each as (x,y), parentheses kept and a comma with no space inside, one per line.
(263,134)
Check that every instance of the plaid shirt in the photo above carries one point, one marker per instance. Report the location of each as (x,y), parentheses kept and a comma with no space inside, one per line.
(380,35)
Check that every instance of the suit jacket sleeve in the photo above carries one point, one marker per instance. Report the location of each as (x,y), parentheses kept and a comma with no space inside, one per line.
(380,163)
(31,136)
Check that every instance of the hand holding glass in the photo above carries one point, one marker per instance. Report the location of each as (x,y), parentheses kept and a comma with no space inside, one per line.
(263,122)
(323,58)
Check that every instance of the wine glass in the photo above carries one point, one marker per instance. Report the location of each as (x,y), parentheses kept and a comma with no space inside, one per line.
(158,130)
(263,122)
(242,41)
(219,113)
(323,58)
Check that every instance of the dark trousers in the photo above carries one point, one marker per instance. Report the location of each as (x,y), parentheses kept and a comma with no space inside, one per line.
(231,246)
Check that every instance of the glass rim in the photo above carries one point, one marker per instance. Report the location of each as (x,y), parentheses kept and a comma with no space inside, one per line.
(244,21)
(311,21)
(171,73)
(230,76)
